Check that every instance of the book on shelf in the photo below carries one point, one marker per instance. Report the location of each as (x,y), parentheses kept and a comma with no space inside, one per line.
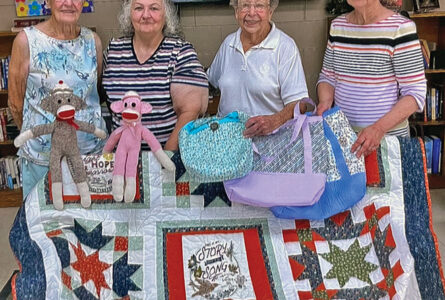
(10,172)
(18,170)
(19,24)
(3,121)
(425,53)
(437,154)
(437,60)
(433,103)
(428,142)
(426,48)
(433,108)
(10,160)
(432,46)
(9,182)
(4,67)
(2,174)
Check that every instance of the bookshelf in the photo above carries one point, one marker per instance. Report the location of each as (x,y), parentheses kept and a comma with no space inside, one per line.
(431,27)
(8,198)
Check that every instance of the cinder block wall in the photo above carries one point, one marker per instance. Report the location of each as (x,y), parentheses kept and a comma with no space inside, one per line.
(206,26)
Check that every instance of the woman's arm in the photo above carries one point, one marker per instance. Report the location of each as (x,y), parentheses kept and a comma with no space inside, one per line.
(100,59)
(189,102)
(265,124)
(369,138)
(407,62)
(18,75)
(326,81)
(325,93)
(99,56)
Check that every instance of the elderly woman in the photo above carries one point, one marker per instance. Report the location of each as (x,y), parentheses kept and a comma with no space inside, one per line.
(258,69)
(373,70)
(164,69)
(42,55)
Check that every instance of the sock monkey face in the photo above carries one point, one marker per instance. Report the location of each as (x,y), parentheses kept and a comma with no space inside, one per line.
(131,107)
(62,103)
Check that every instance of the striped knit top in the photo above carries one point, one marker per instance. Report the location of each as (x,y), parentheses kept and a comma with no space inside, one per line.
(372,66)
(175,61)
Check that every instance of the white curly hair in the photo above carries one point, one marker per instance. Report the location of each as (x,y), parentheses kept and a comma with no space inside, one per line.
(171,28)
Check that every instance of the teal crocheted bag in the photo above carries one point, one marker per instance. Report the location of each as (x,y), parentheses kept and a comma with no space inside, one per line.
(214,149)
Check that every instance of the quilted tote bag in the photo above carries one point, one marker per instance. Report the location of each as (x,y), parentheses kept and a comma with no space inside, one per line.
(289,168)
(214,149)
(346,176)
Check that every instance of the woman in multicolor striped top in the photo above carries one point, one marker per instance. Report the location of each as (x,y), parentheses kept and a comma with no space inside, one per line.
(161,67)
(373,70)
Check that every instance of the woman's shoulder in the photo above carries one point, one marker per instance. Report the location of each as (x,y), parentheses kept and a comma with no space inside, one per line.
(286,44)
(87,33)
(400,24)
(339,20)
(284,37)
(177,43)
(120,40)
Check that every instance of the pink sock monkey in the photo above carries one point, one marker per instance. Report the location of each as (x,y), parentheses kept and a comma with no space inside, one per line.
(129,136)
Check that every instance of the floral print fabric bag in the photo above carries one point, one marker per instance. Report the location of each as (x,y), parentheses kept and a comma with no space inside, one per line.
(214,149)
(289,166)
(346,177)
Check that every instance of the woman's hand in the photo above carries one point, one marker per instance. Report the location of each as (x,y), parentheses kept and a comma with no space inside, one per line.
(265,124)
(189,102)
(171,145)
(261,125)
(368,140)
(322,107)
(325,93)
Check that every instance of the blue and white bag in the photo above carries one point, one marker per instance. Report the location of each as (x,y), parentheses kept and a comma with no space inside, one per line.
(214,149)
(346,177)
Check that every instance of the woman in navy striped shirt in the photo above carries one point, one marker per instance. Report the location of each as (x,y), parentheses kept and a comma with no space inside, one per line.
(162,68)
(373,70)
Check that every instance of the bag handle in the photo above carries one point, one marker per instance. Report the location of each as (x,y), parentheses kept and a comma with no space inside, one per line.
(307,144)
(198,125)
(306,100)
(338,152)
(298,119)
(301,125)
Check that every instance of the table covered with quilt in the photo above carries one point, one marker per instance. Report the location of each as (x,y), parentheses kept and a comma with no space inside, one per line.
(184,240)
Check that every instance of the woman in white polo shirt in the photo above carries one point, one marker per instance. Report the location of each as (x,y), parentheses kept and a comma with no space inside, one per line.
(258,69)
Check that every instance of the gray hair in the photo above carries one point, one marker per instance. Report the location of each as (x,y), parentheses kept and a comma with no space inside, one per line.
(171,28)
(273,3)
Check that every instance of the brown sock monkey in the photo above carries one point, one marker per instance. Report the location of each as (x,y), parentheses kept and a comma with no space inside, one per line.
(63,104)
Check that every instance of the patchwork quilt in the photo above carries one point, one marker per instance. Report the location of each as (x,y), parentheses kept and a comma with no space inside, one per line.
(184,240)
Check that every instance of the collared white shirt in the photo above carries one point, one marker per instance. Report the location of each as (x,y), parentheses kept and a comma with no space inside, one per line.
(262,80)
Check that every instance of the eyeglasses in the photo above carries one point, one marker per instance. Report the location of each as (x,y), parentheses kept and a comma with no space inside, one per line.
(74,1)
(258,7)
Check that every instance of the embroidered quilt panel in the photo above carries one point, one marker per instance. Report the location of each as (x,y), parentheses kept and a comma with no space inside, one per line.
(184,240)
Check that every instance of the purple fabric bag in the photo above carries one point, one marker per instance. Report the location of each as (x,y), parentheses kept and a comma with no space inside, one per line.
(285,172)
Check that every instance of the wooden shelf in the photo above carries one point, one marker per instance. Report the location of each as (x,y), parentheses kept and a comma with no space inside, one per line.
(11,198)
(431,27)
(428,123)
(436,181)
(8,198)
(6,39)
(434,71)
(432,14)
(7,34)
